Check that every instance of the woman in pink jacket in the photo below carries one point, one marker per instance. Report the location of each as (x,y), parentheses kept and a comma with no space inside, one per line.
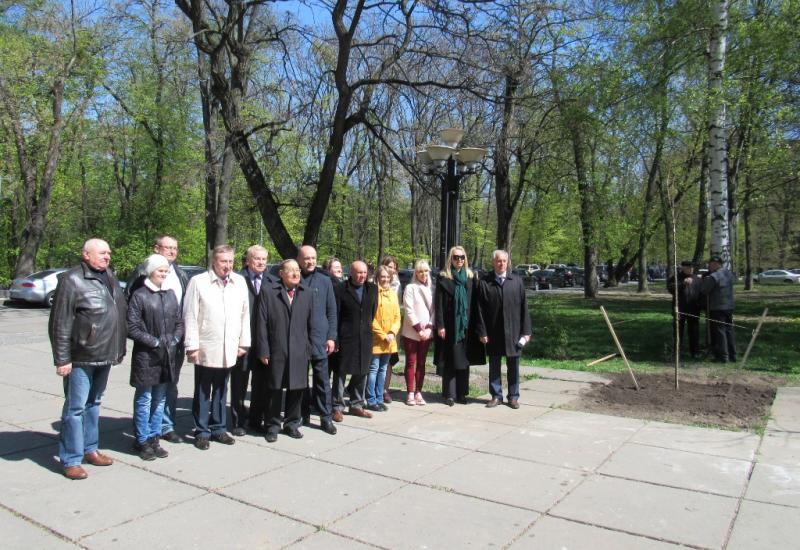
(417,329)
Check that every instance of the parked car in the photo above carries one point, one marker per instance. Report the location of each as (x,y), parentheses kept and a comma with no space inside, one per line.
(795,271)
(528,269)
(563,277)
(193,270)
(778,276)
(542,279)
(37,288)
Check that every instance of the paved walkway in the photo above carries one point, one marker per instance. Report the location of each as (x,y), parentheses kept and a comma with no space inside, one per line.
(414,477)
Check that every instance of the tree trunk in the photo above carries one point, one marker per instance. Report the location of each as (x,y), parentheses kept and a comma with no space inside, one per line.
(720,228)
(702,212)
(748,238)
(502,165)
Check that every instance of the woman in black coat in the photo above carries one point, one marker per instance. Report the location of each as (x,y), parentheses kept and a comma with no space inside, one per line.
(156,327)
(455,319)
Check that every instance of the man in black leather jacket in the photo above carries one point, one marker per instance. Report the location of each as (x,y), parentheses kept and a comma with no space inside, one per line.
(87,332)
(176,281)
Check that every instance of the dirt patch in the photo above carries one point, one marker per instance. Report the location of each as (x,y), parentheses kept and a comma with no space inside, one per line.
(735,401)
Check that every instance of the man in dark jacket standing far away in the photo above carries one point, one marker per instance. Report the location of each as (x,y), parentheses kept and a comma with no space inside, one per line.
(504,326)
(87,333)
(718,286)
(283,331)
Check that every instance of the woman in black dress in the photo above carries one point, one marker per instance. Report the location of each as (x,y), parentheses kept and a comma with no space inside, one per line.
(457,346)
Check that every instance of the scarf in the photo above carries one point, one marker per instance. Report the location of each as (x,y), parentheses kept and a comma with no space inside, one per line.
(462,317)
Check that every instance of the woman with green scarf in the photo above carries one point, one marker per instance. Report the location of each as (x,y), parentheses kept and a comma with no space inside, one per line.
(457,346)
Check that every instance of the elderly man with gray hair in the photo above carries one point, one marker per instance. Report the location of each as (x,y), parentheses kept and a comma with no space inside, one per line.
(87,333)
(504,326)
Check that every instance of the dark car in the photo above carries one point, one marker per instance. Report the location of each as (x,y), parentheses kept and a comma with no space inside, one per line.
(563,277)
(542,279)
(193,270)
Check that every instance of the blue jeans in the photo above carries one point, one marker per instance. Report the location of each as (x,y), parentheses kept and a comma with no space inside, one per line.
(170,408)
(80,417)
(495,380)
(210,400)
(148,410)
(376,378)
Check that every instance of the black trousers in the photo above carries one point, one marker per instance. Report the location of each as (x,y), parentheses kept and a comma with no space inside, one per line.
(258,397)
(455,383)
(690,325)
(210,398)
(320,391)
(291,417)
(240,376)
(723,342)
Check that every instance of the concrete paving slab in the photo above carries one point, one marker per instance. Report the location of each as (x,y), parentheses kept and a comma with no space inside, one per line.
(776,484)
(14,439)
(760,525)
(509,481)
(397,414)
(45,381)
(545,399)
(786,423)
(499,415)
(571,375)
(551,532)
(47,408)
(407,513)
(780,449)
(714,474)
(13,395)
(588,423)
(312,491)
(77,509)
(460,432)
(576,451)
(740,445)
(554,386)
(399,457)
(663,513)
(209,521)
(19,533)
(314,442)
(323,540)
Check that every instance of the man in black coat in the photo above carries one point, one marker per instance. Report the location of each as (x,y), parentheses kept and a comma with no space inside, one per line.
(283,344)
(504,326)
(356,303)
(323,338)
(255,275)
(687,291)
(176,281)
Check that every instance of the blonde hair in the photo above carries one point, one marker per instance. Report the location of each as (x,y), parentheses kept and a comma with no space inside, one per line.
(447,271)
(421,265)
(383,269)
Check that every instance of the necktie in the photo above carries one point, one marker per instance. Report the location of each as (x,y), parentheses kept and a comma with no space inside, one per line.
(501,280)
(225,282)
(290,292)
(257,283)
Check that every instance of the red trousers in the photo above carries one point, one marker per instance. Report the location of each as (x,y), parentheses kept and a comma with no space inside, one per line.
(416,353)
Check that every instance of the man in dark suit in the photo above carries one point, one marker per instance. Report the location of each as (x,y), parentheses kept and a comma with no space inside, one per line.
(176,281)
(504,326)
(356,303)
(255,275)
(283,344)
(687,291)
(323,338)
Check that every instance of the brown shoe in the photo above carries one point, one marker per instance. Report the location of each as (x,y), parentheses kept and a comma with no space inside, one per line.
(493,403)
(337,415)
(360,412)
(75,472)
(514,404)
(97,458)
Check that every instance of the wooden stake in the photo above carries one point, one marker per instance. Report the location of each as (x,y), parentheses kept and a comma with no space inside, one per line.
(619,346)
(606,358)
(753,339)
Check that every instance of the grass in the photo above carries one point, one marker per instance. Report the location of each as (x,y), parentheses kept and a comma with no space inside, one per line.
(569,330)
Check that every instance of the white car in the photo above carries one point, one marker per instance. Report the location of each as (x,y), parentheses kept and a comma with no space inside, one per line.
(778,276)
(38,288)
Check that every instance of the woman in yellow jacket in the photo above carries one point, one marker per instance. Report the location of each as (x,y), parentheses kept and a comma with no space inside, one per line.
(385,327)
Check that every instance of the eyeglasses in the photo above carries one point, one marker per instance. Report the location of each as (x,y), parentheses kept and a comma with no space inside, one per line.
(461,257)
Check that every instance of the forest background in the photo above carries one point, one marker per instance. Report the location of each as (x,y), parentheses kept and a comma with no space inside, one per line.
(298,122)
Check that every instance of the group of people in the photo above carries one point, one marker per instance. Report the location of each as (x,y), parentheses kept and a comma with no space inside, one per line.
(713,294)
(230,324)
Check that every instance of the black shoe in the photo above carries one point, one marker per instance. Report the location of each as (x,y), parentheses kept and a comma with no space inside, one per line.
(238,432)
(258,428)
(328,427)
(159,451)
(461,401)
(294,433)
(493,403)
(307,421)
(271,437)
(376,407)
(201,443)
(449,402)
(223,438)
(171,437)
(145,451)
(383,407)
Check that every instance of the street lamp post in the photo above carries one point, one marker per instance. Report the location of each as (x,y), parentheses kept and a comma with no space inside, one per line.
(450,164)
